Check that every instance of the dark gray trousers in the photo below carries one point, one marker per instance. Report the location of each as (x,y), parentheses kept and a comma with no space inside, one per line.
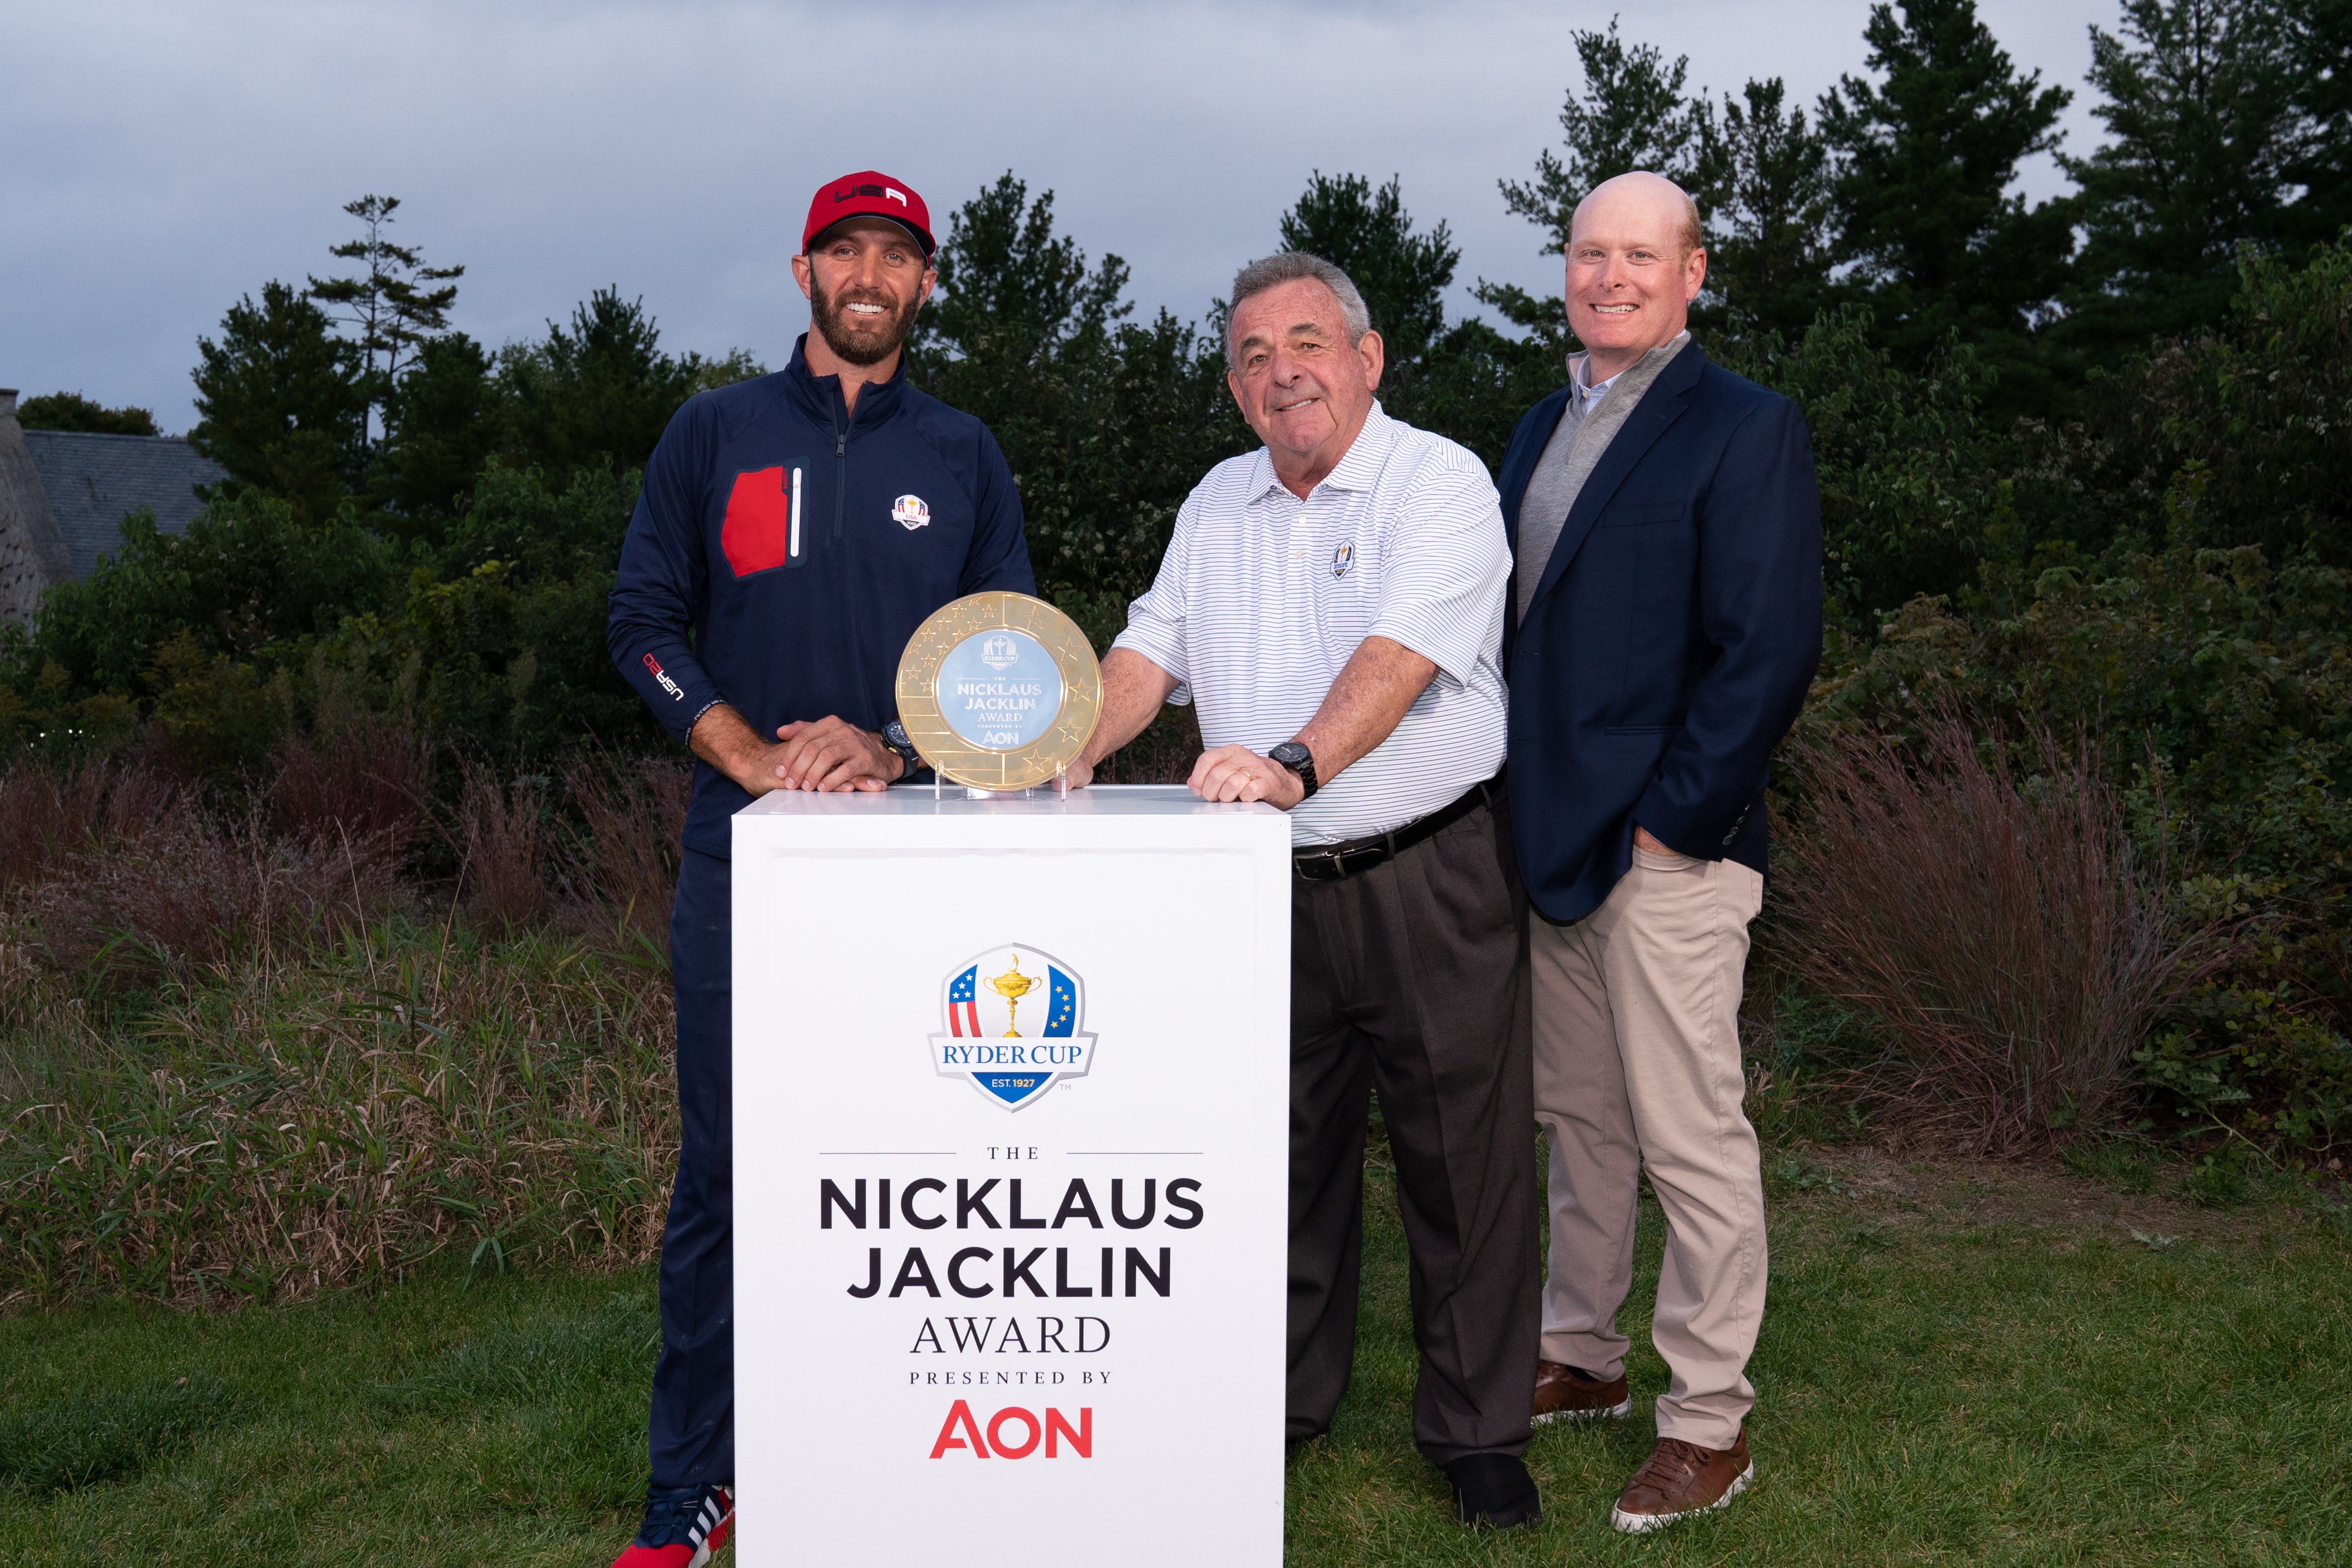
(1413,976)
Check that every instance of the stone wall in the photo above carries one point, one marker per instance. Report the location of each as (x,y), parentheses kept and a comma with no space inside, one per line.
(32,552)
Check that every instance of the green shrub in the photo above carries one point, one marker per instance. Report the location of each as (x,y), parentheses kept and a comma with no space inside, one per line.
(247,573)
(2220,690)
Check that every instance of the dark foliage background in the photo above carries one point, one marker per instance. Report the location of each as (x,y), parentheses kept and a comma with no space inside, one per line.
(2084,465)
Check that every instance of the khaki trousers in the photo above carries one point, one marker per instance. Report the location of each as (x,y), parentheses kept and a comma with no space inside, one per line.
(1637,1063)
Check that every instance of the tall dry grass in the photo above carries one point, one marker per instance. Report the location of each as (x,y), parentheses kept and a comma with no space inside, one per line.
(240,1053)
(1997,923)
(372,777)
(118,870)
(503,833)
(277,1127)
(115,871)
(624,858)
(50,813)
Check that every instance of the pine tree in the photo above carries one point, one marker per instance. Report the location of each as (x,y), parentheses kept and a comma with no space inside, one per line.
(1921,200)
(1463,380)
(1106,423)
(1631,115)
(2322,31)
(1011,290)
(2200,106)
(391,307)
(282,402)
(441,424)
(1368,234)
(602,389)
(1764,192)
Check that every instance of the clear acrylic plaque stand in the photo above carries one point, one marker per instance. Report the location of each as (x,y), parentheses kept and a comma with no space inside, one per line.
(1058,787)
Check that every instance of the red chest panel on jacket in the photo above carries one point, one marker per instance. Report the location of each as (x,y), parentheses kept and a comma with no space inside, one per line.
(763,528)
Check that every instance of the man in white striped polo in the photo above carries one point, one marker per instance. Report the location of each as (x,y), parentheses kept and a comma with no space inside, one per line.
(1333,605)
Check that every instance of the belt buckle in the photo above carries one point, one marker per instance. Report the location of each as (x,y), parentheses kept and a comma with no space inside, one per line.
(1327,856)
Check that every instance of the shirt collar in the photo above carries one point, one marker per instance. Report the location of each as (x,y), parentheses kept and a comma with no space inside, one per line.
(821,395)
(1589,394)
(1578,362)
(1359,469)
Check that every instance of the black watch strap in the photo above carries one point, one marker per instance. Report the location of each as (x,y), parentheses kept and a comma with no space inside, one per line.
(1294,756)
(893,735)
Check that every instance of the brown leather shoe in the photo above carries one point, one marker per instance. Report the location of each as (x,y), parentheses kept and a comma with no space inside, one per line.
(1564,1393)
(1679,1480)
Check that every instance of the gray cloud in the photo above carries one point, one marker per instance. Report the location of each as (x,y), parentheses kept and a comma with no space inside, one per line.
(164,158)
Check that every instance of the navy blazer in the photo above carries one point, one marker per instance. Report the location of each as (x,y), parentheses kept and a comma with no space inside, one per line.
(1671,637)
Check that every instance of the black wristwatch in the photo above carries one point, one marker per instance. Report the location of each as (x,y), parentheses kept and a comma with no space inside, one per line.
(893,735)
(1294,754)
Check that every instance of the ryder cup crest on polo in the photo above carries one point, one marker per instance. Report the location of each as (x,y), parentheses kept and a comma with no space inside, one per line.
(988,1000)
(910,512)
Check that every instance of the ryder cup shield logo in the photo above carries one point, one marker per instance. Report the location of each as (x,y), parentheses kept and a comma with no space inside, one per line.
(1013,1025)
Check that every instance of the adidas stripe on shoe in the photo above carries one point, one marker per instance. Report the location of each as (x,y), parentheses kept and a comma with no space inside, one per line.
(683,1526)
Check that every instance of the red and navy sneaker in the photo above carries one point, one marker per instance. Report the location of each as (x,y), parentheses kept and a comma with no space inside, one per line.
(684,1525)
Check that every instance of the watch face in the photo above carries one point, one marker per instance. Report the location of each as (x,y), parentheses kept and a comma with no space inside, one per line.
(1290,754)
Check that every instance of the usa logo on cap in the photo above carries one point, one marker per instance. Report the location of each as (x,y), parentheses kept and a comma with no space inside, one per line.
(869,192)
(909,513)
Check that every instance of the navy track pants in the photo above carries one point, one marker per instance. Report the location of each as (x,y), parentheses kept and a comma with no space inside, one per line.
(692,1429)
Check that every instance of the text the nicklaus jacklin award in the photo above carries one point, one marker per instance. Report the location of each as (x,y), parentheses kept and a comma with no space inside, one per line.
(1060,1271)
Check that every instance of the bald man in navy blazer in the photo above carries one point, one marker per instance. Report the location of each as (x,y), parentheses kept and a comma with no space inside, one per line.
(1665,622)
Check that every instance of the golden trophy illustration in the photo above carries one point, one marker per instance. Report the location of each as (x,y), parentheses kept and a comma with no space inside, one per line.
(1012,985)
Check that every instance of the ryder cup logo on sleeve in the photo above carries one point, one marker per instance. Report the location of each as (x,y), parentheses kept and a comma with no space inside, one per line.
(987,1001)
(909,513)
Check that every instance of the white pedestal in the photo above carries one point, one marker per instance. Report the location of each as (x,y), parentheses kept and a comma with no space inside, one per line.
(1152,1069)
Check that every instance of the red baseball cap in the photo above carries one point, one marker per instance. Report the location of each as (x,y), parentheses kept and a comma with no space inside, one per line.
(868,194)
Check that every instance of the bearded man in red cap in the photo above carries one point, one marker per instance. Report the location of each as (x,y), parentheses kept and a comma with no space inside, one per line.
(792,534)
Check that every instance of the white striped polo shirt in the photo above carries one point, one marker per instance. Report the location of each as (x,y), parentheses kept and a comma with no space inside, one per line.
(1263,597)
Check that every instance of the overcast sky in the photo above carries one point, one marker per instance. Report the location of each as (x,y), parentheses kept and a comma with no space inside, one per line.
(158,159)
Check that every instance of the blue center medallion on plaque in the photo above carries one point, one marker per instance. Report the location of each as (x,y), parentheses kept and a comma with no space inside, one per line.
(1000,689)
(988,999)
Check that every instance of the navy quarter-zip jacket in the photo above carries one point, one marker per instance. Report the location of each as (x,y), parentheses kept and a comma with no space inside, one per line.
(783,551)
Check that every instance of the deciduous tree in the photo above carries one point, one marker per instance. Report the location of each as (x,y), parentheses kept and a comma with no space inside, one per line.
(71,411)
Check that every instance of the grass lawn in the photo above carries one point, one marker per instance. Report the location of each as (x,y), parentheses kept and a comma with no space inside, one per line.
(1961,1364)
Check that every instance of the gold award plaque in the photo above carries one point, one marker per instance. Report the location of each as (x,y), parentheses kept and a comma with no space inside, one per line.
(999,691)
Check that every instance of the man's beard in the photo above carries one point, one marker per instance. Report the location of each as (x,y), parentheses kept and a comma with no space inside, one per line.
(860,341)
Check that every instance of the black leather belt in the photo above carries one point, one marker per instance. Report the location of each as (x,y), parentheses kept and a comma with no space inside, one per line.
(1353,857)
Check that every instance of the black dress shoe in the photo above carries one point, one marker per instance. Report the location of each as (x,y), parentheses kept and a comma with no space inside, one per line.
(1494,1490)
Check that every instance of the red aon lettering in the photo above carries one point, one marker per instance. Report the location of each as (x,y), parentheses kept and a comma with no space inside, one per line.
(1054,1431)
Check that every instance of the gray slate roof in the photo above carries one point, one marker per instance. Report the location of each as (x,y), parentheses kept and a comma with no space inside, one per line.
(94,480)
